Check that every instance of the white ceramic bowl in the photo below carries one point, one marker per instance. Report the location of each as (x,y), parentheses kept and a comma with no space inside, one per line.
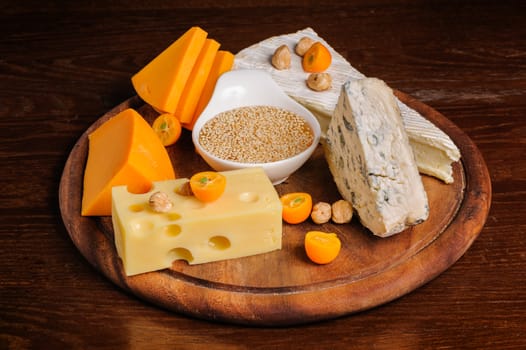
(239,88)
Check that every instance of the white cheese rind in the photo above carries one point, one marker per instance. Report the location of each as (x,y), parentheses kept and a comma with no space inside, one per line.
(246,220)
(370,158)
(423,135)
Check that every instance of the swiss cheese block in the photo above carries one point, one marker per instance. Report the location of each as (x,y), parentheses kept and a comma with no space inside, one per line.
(122,151)
(222,63)
(245,220)
(162,81)
(196,81)
(434,150)
(370,158)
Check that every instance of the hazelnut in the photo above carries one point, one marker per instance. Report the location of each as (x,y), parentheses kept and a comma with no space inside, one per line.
(281,58)
(185,189)
(159,202)
(341,212)
(321,213)
(319,81)
(303,45)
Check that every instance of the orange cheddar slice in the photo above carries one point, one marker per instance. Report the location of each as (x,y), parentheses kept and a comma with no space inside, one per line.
(196,81)
(123,151)
(223,62)
(162,81)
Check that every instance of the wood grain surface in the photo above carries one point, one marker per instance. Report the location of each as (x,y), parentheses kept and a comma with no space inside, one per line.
(63,65)
(283,287)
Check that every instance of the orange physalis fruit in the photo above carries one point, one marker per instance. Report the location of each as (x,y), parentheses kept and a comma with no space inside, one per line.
(168,128)
(207,186)
(297,207)
(322,247)
(317,58)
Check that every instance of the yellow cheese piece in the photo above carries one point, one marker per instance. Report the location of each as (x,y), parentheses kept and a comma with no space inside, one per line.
(223,62)
(194,86)
(161,82)
(245,220)
(122,151)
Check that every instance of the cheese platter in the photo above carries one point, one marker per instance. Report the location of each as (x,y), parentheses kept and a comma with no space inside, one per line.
(281,286)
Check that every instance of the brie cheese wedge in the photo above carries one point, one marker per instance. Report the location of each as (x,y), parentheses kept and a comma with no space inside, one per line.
(371,161)
(433,149)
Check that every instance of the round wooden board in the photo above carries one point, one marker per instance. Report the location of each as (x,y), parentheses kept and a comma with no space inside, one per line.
(283,287)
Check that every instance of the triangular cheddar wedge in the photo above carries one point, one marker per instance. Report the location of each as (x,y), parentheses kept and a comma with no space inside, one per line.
(161,82)
(196,81)
(223,62)
(123,151)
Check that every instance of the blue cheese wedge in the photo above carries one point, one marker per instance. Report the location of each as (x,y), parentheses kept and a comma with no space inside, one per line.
(433,149)
(370,158)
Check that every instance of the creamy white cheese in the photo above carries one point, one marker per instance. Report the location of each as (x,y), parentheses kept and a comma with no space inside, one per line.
(433,149)
(370,158)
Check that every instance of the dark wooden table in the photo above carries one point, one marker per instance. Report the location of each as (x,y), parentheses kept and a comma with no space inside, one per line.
(64,64)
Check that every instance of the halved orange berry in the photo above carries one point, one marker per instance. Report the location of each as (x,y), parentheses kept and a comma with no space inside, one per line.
(297,207)
(322,247)
(207,186)
(317,58)
(168,128)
